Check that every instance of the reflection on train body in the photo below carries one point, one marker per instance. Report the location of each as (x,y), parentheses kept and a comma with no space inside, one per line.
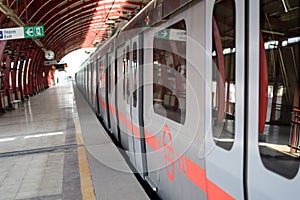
(203,97)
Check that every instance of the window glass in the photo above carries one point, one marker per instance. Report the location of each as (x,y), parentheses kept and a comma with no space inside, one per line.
(101,75)
(134,73)
(223,73)
(279,87)
(109,81)
(169,72)
(102,82)
(127,75)
(88,85)
(92,83)
(124,69)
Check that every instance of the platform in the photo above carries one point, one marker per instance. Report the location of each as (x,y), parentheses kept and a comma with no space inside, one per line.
(54,147)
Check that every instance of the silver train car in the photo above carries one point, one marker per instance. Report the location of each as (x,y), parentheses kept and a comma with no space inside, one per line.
(203,96)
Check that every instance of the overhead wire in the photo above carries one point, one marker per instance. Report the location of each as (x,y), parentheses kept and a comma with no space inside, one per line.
(106,18)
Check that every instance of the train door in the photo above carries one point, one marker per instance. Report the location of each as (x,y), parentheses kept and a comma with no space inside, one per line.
(273,87)
(174,105)
(106,118)
(102,88)
(96,107)
(122,73)
(128,112)
(88,83)
(135,139)
(224,144)
(98,95)
(92,84)
(84,81)
(112,93)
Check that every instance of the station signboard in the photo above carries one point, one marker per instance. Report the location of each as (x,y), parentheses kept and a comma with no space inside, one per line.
(34,31)
(11,33)
(50,62)
(22,32)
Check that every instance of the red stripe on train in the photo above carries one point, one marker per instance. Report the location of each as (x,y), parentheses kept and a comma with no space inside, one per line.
(214,192)
(151,140)
(194,173)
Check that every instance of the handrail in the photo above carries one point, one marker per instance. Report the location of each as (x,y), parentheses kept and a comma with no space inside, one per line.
(294,132)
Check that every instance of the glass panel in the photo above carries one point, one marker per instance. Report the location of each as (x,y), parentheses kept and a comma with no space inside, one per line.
(102,82)
(223,73)
(124,70)
(126,75)
(109,77)
(134,65)
(279,87)
(92,83)
(169,72)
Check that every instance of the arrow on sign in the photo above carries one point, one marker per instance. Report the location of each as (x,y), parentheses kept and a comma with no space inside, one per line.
(164,33)
(30,32)
(1,35)
(34,31)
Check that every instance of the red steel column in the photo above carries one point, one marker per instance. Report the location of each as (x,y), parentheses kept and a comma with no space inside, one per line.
(45,75)
(7,79)
(30,73)
(2,47)
(41,69)
(263,85)
(32,76)
(43,78)
(25,74)
(221,68)
(36,74)
(39,77)
(295,122)
(51,78)
(20,72)
(13,73)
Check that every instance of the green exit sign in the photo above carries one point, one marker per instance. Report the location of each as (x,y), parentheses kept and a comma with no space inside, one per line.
(34,31)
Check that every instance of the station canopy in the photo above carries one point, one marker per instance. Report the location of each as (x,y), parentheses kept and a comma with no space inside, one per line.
(68,24)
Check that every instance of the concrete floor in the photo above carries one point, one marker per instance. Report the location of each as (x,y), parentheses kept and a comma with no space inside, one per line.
(39,156)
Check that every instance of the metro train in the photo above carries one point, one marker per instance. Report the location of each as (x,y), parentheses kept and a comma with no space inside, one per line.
(202,95)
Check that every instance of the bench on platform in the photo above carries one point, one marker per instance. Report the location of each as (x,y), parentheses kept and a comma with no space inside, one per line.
(16,104)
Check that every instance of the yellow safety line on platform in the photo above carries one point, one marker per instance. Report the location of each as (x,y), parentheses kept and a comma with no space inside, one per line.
(87,188)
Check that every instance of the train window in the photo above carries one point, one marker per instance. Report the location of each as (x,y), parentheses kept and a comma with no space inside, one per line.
(101,82)
(127,75)
(92,83)
(124,70)
(169,72)
(134,73)
(223,73)
(279,87)
(109,76)
(101,77)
